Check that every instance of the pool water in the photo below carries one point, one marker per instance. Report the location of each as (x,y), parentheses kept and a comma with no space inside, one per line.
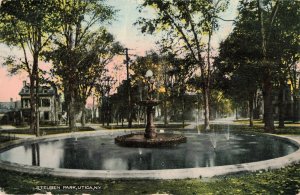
(101,153)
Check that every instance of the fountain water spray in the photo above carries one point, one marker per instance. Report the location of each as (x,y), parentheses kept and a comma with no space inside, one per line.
(197,123)
(213,139)
(140,151)
(227,135)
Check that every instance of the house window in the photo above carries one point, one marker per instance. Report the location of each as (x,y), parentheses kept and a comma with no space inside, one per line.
(26,103)
(46,116)
(45,102)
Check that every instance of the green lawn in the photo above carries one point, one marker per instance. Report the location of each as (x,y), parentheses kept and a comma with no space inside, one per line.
(282,181)
(260,123)
(46,130)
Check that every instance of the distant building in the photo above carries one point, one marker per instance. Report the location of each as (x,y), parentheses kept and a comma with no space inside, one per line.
(10,112)
(50,107)
(290,101)
(9,106)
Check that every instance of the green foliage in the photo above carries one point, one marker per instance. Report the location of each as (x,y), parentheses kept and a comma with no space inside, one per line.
(82,48)
(183,24)
(239,67)
(27,25)
(220,104)
(20,18)
(151,61)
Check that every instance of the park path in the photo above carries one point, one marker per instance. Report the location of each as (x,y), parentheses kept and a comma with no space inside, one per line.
(225,121)
(7,127)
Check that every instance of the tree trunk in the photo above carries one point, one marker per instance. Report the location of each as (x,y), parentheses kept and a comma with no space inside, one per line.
(165,109)
(198,109)
(34,85)
(32,103)
(206,108)
(183,109)
(257,106)
(108,113)
(83,115)
(55,110)
(207,82)
(281,106)
(129,104)
(267,82)
(37,125)
(251,105)
(93,110)
(72,124)
(268,106)
(103,108)
(165,97)
(295,108)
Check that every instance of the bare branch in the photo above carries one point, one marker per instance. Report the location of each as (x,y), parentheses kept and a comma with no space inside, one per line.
(226,20)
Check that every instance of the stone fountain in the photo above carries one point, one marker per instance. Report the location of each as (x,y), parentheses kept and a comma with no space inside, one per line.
(150,138)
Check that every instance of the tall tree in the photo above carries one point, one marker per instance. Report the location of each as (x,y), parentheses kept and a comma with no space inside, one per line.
(28,25)
(93,54)
(273,16)
(184,24)
(266,60)
(266,26)
(285,45)
(81,44)
(238,71)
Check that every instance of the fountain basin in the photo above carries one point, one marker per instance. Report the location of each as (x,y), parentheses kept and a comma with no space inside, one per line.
(150,162)
(139,140)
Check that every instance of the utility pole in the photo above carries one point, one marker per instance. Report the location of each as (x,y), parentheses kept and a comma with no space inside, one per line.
(129,88)
(127,62)
(93,108)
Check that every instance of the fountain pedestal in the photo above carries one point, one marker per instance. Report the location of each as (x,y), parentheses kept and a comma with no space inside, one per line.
(150,131)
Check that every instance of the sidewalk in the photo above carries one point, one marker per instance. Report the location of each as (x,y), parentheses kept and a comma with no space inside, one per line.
(7,127)
(20,136)
(225,121)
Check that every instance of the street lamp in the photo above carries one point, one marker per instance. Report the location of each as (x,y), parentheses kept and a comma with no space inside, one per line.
(149,74)
(150,80)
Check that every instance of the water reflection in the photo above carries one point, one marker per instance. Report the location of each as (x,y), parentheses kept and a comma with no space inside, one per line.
(46,154)
(100,153)
(35,149)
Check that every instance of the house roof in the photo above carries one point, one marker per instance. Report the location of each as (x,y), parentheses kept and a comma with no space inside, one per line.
(43,90)
(9,106)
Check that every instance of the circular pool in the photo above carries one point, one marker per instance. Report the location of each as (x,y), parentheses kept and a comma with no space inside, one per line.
(99,154)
